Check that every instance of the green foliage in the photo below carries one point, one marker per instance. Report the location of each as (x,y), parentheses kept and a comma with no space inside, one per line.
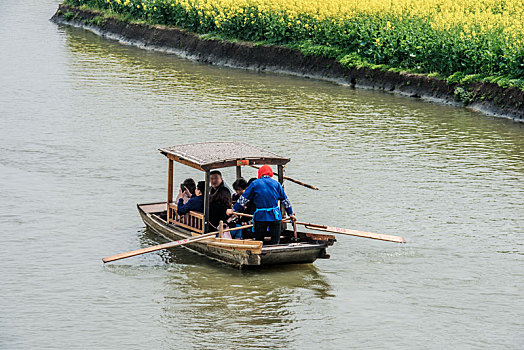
(455,78)
(96,21)
(353,60)
(463,95)
(68,15)
(436,75)
(211,36)
(471,78)
(310,49)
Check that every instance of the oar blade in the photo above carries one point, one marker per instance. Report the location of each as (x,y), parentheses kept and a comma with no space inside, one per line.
(356,233)
(379,236)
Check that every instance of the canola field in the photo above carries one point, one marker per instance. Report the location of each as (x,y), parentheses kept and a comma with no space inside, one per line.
(466,40)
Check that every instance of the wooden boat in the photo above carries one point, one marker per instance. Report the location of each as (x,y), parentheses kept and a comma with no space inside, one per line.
(162,217)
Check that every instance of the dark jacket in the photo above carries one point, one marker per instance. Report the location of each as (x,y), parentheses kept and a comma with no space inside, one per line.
(217,212)
(235,197)
(194,204)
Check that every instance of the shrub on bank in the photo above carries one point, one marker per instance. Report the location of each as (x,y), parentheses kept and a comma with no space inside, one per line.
(473,39)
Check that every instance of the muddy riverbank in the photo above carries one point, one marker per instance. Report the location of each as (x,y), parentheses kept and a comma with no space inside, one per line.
(488,98)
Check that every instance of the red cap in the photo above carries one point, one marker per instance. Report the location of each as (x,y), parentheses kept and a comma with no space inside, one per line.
(265,170)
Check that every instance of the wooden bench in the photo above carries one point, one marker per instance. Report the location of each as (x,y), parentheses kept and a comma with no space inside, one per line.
(193,221)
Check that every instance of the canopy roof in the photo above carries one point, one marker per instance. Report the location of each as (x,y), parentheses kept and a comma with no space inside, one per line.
(211,155)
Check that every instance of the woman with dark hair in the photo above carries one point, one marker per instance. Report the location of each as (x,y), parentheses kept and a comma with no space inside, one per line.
(190,185)
(219,203)
(239,186)
(187,190)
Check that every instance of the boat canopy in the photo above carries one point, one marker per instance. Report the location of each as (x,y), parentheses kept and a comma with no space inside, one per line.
(212,155)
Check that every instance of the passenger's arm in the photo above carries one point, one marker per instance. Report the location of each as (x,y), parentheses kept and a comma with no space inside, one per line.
(244,199)
(182,208)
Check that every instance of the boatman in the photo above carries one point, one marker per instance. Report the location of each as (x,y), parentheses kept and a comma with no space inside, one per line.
(265,194)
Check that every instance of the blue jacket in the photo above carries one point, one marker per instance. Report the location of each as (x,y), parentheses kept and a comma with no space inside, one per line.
(265,193)
(195,204)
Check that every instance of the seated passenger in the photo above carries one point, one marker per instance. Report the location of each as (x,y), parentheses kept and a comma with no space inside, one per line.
(188,189)
(239,186)
(195,203)
(219,203)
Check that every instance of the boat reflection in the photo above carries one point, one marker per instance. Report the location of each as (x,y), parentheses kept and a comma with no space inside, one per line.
(209,302)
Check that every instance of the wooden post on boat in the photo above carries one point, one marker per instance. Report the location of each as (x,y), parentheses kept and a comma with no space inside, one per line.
(281,180)
(207,194)
(239,172)
(169,189)
(221,229)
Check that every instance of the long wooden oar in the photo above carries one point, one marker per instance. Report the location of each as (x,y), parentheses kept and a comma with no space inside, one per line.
(168,245)
(356,233)
(292,180)
(343,231)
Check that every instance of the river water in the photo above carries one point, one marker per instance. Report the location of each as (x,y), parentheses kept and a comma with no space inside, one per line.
(81,120)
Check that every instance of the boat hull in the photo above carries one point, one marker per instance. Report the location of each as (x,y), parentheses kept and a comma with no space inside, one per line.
(293,253)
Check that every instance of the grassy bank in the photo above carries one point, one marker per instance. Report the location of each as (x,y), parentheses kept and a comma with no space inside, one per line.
(470,41)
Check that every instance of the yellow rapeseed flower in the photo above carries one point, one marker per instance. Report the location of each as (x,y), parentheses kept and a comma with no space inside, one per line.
(467,19)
